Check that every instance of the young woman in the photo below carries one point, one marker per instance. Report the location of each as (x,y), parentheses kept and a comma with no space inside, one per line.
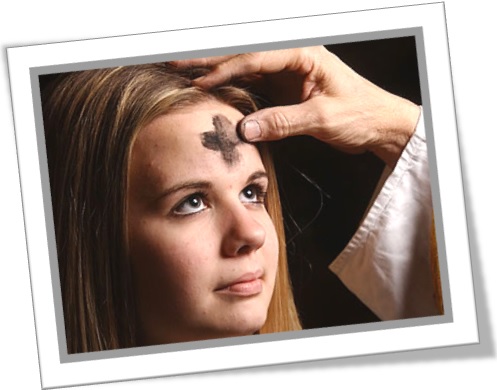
(168,225)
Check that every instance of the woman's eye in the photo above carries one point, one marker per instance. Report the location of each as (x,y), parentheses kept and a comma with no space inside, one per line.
(253,194)
(191,205)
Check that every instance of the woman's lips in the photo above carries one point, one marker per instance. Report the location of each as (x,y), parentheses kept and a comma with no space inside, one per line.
(247,285)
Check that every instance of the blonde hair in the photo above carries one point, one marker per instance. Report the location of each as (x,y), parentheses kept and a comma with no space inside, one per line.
(91,119)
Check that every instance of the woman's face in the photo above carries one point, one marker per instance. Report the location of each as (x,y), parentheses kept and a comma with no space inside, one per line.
(204,250)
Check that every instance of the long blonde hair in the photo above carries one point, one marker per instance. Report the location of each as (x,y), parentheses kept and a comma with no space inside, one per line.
(91,119)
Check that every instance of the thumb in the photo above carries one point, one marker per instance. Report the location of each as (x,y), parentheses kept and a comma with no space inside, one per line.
(279,122)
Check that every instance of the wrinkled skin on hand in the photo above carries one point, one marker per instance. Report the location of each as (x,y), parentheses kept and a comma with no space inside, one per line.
(318,95)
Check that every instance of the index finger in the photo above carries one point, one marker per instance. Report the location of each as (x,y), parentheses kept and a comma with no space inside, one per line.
(232,67)
(206,62)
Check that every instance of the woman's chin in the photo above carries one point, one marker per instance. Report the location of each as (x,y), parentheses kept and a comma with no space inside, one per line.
(250,330)
(243,326)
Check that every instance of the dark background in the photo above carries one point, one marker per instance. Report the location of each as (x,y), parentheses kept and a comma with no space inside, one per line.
(322,216)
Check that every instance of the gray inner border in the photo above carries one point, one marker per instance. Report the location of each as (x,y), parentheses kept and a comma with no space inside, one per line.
(35,72)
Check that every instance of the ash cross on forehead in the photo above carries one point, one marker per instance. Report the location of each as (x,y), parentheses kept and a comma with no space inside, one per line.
(221,140)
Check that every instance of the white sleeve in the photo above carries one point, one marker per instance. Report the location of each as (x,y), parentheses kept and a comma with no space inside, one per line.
(386,264)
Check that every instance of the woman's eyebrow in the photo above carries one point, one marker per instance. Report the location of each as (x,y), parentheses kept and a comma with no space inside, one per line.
(187,185)
(257,175)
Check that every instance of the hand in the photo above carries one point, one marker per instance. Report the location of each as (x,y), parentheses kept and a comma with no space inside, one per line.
(318,95)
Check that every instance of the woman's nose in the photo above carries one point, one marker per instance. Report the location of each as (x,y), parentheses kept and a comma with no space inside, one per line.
(243,233)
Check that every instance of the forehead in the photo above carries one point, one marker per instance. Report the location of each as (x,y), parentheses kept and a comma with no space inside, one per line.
(194,141)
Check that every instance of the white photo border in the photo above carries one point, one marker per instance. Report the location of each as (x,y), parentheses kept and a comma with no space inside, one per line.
(458,326)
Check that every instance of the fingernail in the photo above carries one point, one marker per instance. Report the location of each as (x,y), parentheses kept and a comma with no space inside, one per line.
(251,130)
